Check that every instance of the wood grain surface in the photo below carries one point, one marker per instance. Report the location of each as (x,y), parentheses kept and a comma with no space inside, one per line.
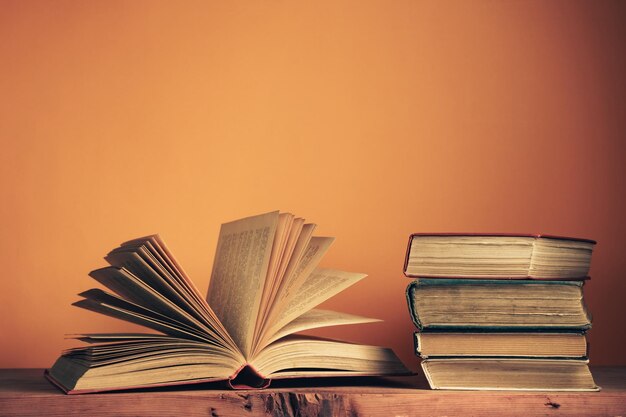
(25,392)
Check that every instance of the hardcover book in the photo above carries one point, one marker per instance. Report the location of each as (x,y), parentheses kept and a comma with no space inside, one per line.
(264,287)
(572,345)
(497,256)
(497,305)
(509,374)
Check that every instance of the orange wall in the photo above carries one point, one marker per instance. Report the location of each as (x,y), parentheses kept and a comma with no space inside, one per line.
(372,118)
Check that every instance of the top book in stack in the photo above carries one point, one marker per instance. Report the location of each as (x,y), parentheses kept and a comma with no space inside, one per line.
(498,256)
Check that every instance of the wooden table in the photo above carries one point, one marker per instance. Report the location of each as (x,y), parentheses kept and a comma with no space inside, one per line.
(25,392)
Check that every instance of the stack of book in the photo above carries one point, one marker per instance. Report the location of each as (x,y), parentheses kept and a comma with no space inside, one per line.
(500,312)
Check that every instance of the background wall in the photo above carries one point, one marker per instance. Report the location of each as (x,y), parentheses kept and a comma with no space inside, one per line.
(373,119)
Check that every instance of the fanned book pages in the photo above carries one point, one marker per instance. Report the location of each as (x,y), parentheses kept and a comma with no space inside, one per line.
(264,288)
(497,256)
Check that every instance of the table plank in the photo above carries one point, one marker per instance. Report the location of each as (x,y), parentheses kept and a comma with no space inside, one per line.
(24,392)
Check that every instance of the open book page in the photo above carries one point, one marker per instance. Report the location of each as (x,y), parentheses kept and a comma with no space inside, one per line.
(295,231)
(155,253)
(142,361)
(116,337)
(143,264)
(301,247)
(135,264)
(123,347)
(131,288)
(318,287)
(310,257)
(279,247)
(113,306)
(298,244)
(316,318)
(240,266)
(301,356)
(294,235)
(163,259)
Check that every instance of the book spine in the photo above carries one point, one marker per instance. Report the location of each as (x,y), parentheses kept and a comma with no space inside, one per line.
(247,377)
(406,258)
(424,365)
(416,343)
(409,298)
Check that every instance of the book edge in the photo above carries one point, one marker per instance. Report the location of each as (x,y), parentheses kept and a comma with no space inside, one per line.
(63,388)
(497,234)
(496,278)
(425,363)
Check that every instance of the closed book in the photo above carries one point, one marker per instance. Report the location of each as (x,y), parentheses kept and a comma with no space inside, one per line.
(509,374)
(501,344)
(497,256)
(497,305)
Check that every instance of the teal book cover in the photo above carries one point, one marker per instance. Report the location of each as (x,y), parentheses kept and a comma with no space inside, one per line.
(497,305)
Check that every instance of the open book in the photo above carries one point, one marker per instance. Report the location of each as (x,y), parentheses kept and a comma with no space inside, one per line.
(264,287)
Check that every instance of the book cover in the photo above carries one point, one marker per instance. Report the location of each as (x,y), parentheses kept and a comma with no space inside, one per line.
(463,305)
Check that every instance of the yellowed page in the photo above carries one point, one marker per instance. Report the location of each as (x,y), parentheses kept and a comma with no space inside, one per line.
(134,263)
(310,257)
(301,247)
(149,260)
(292,240)
(132,313)
(319,318)
(315,251)
(283,231)
(157,247)
(239,270)
(325,358)
(131,288)
(318,287)
(289,253)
